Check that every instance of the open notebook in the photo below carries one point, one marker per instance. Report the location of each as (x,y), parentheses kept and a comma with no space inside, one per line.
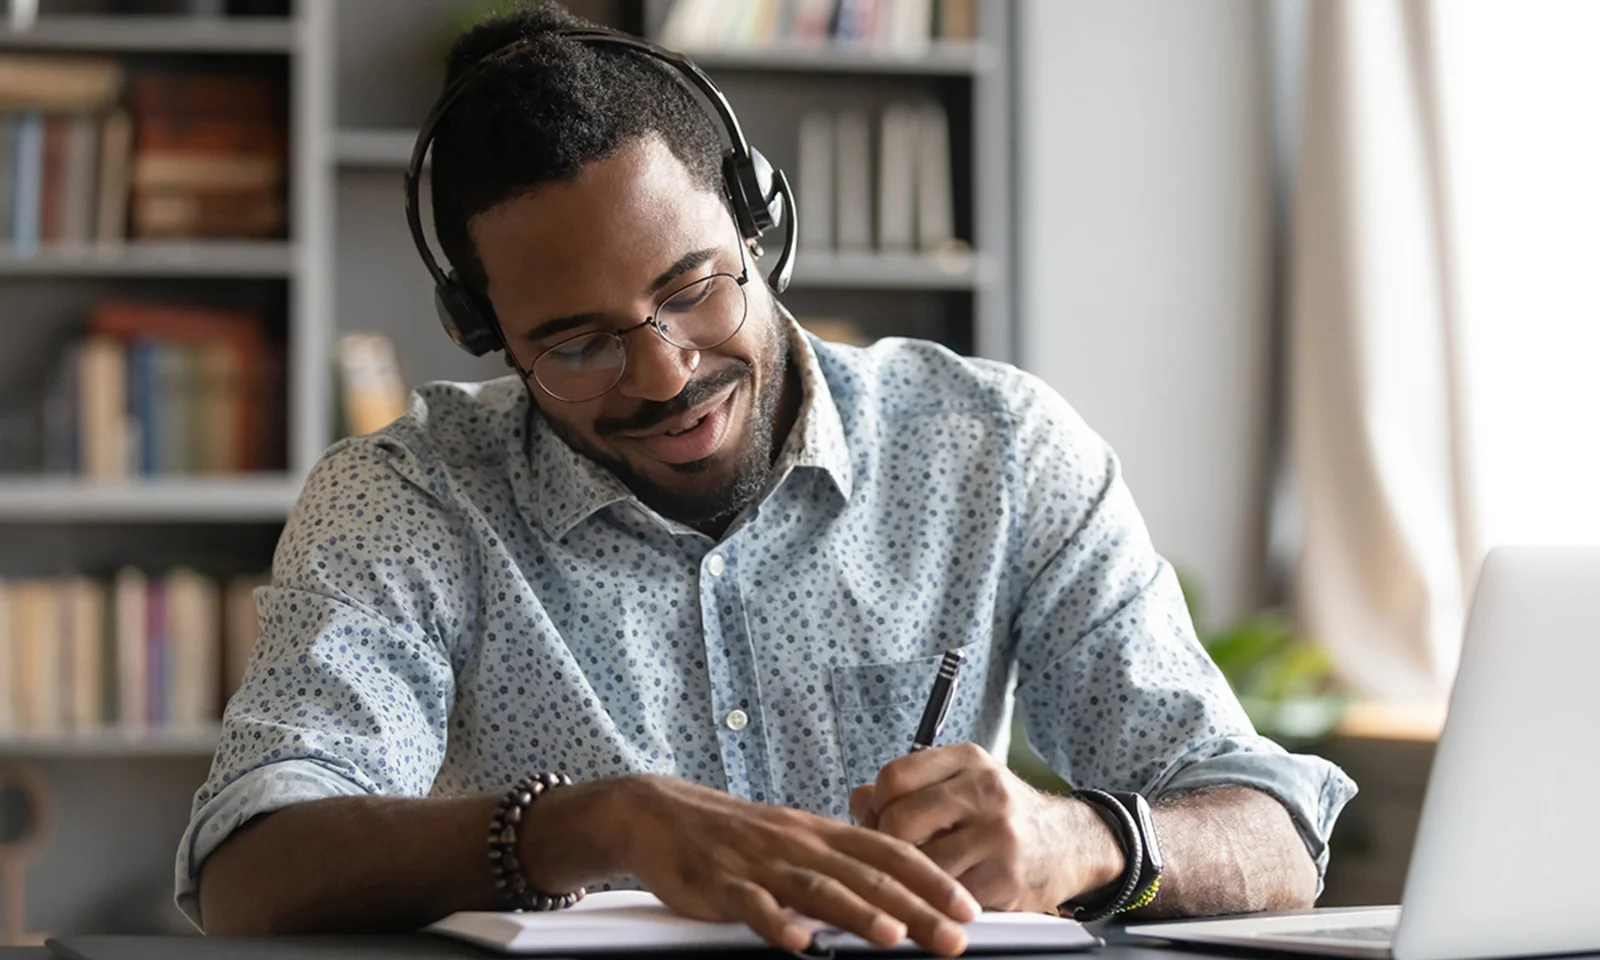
(632,921)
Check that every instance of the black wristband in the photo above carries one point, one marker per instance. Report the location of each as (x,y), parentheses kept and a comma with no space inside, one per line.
(503,833)
(1126,831)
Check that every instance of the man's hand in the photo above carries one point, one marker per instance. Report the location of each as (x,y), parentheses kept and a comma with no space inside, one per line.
(1012,846)
(714,857)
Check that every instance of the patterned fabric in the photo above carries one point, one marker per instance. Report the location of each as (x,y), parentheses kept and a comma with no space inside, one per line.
(460,599)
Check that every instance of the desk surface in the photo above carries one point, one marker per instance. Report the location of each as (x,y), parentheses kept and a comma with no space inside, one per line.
(1118,947)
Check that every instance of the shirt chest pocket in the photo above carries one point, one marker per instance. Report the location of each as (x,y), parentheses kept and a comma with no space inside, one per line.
(878,706)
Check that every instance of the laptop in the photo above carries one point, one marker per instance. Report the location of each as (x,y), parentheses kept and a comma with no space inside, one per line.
(1507,848)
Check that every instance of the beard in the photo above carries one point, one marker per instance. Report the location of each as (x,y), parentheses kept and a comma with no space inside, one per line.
(750,467)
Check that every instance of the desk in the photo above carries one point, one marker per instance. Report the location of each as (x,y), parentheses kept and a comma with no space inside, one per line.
(436,948)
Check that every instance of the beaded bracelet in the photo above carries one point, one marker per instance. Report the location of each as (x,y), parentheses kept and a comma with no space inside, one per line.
(503,862)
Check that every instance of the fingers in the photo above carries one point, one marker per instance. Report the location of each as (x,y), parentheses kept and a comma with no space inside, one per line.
(861,806)
(929,927)
(957,852)
(994,882)
(920,770)
(909,867)
(757,909)
(921,816)
(825,897)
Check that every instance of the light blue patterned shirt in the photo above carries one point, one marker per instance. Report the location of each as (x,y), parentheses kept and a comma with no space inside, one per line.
(460,599)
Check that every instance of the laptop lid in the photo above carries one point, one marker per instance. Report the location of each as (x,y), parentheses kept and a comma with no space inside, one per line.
(1506,848)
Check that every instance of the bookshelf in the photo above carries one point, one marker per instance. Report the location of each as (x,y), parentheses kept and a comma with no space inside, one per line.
(152,258)
(108,868)
(187,743)
(148,33)
(253,499)
(361,74)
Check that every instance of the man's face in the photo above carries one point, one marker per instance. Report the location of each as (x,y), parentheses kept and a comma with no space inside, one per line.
(597,253)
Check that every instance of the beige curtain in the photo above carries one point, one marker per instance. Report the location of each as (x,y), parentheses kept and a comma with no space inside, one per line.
(1376,418)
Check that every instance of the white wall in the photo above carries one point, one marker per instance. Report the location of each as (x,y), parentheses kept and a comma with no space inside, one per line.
(1144,256)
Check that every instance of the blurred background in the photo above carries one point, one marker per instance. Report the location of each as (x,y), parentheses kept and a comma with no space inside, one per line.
(1321,272)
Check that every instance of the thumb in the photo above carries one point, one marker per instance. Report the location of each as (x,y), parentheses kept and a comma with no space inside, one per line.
(861,806)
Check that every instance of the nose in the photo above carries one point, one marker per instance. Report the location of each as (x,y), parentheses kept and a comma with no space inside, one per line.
(656,370)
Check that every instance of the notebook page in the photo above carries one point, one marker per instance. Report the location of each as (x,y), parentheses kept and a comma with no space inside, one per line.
(624,920)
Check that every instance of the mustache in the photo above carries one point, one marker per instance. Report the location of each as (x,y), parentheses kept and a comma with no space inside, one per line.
(695,392)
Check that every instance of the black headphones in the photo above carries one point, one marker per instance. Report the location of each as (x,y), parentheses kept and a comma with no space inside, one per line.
(758,193)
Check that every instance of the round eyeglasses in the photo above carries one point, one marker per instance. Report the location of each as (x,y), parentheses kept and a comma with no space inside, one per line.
(698,316)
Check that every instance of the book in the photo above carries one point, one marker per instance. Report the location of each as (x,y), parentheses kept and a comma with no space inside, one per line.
(815,199)
(36,640)
(897,186)
(853,181)
(617,921)
(209,156)
(911,26)
(215,404)
(103,431)
(86,619)
(130,596)
(935,187)
(53,192)
(836,329)
(58,84)
(373,390)
(958,20)
(28,184)
(8,173)
(8,656)
(173,409)
(116,158)
(218,393)
(157,680)
(80,178)
(192,655)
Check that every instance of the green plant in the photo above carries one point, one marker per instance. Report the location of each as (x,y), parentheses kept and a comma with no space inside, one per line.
(1284,681)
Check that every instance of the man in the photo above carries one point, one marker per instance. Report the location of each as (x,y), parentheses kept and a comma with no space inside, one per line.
(708,583)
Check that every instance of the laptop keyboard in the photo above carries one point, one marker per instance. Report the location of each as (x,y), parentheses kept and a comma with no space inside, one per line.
(1382,933)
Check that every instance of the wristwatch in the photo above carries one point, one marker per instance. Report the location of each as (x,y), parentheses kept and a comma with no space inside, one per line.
(1128,815)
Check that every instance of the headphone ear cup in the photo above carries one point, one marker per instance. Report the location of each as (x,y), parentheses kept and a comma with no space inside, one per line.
(463,320)
(757,203)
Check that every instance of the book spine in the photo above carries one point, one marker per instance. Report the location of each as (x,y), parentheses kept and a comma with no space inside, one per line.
(132,623)
(155,663)
(28,185)
(8,654)
(143,392)
(8,178)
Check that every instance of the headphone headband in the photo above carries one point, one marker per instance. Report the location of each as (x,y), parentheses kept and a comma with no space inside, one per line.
(758,192)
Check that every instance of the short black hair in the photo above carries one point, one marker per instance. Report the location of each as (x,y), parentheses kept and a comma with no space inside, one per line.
(544,114)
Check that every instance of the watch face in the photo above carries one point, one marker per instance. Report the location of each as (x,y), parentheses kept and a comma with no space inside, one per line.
(1147,826)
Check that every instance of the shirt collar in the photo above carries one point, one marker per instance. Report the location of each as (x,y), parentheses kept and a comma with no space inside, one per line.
(564,487)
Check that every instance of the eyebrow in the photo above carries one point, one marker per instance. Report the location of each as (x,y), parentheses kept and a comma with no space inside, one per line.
(684,264)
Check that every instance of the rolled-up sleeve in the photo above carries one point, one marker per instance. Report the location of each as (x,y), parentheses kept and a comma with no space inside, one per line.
(350,688)
(1115,690)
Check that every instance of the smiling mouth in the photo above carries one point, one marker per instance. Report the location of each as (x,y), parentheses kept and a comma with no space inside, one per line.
(692,437)
(687,421)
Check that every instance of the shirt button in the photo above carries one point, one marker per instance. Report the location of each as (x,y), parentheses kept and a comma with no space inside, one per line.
(716,565)
(737,720)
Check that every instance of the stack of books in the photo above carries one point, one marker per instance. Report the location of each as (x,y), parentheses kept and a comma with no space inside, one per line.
(907,207)
(157,389)
(193,155)
(81,653)
(210,153)
(65,150)
(891,27)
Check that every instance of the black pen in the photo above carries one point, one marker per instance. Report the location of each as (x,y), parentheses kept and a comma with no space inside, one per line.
(944,690)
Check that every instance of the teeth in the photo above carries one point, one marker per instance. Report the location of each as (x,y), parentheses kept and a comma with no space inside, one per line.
(675,433)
